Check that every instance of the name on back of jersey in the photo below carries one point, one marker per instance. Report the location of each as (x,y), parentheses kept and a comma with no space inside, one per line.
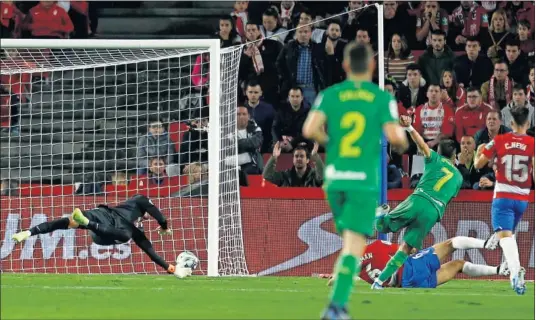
(515,145)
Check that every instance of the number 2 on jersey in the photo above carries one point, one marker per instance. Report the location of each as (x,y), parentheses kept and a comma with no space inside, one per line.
(355,121)
(441,182)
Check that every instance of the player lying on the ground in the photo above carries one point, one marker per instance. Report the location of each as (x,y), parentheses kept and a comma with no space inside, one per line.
(514,152)
(424,269)
(440,182)
(111,225)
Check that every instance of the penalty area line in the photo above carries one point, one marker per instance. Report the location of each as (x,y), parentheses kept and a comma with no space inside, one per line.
(384,292)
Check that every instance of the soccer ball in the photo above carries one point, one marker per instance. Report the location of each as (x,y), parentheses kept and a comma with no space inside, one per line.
(187,260)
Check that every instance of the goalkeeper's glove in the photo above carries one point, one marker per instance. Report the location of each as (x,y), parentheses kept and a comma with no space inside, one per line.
(164,232)
(171,269)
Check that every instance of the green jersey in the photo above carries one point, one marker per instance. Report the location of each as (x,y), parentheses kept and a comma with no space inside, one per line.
(440,182)
(355,114)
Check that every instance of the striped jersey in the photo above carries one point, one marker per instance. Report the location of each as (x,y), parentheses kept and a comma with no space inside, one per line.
(514,157)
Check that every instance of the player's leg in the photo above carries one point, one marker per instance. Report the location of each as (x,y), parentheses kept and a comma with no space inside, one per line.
(102,223)
(412,215)
(353,217)
(391,221)
(450,269)
(508,241)
(503,218)
(446,248)
(45,227)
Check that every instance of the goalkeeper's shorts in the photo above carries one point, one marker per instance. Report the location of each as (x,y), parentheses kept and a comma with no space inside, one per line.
(103,216)
(420,269)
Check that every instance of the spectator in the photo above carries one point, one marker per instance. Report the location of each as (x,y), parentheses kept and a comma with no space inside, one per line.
(436,58)
(306,18)
(492,129)
(155,144)
(249,137)
(227,32)
(471,117)
(494,41)
(362,36)
(433,120)
(156,176)
(289,119)
(517,62)
(398,58)
(10,102)
(305,64)
(517,11)
(486,182)
(78,11)
(334,43)
(467,20)
(412,92)
(432,19)
(465,161)
(197,181)
(356,18)
(290,14)
(194,144)
(394,176)
(390,86)
(270,27)
(489,6)
(9,188)
(527,44)
(451,93)
(473,69)
(301,174)
(261,112)
(396,17)
(530,87)
(10,20)
(240,18)
(498,90)
(120,178)
(47,20)
(258,62)
(519,101)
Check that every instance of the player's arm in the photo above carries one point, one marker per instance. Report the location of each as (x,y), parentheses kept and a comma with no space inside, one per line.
(388,117)
(146,205)
(141,241)
(405,121)
(396,137)
(313,128)
(484,154)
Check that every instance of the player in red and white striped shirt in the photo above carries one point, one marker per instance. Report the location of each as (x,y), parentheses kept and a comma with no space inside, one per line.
(514,152)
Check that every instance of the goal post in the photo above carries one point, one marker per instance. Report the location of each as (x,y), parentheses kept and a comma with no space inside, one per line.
(79,62)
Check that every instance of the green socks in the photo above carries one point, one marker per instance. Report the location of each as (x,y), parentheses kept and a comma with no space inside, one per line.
(393,265)
(347,267)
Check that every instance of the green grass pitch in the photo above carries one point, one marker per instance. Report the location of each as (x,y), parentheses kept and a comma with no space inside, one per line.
(34,296)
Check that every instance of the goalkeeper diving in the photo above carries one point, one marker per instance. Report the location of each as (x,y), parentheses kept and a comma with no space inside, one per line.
(111,225)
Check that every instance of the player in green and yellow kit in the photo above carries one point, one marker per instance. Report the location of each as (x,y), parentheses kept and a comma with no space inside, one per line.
(440,183)
(356,112)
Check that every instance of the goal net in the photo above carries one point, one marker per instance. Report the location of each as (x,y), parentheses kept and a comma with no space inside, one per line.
(86,122)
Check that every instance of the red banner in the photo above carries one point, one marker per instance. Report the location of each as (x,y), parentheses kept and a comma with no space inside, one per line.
(283,234)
